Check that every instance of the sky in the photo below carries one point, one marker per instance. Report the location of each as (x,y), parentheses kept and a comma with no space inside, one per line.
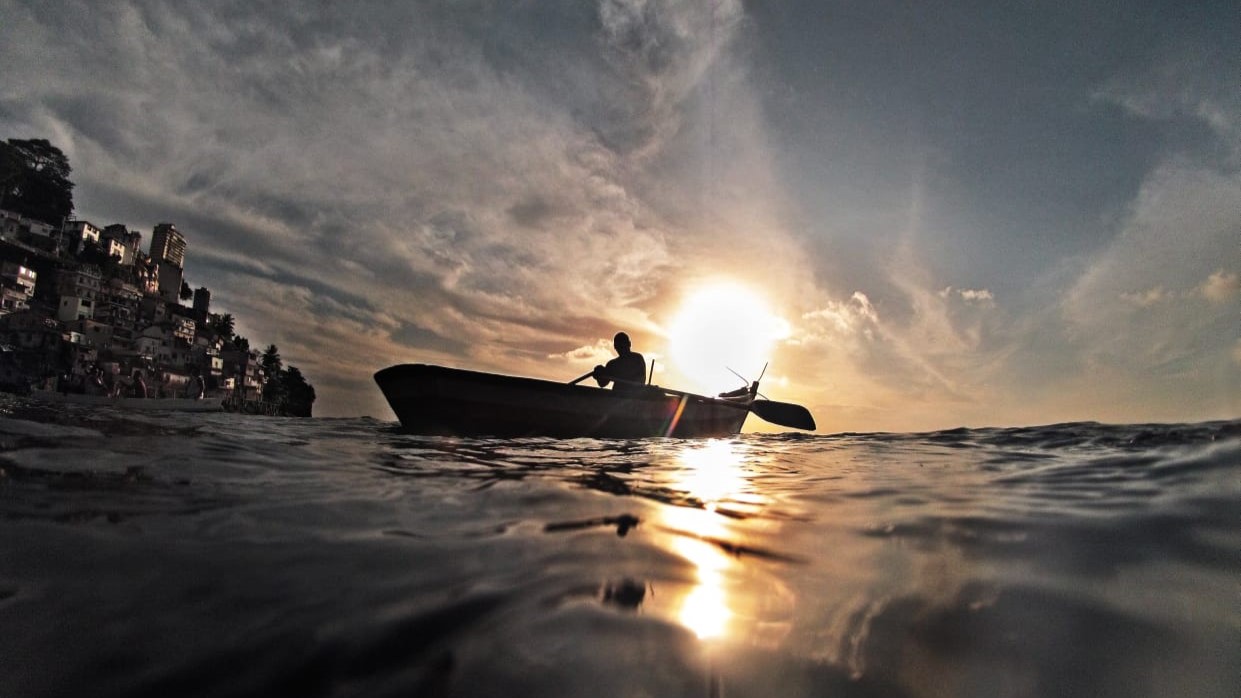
(958,214)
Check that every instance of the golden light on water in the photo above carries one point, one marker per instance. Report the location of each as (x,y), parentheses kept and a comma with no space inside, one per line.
(704,610)
(713,473)
(719,327)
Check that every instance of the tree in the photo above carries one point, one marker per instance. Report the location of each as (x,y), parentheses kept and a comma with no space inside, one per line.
(299,395)
(224,325)
(273,389)
(34,180)
(12,168)
(187,293)
(93,253)
(271,361)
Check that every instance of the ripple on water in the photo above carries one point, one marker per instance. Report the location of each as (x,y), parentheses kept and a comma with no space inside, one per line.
(221,555)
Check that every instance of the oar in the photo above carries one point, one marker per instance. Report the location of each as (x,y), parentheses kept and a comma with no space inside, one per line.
(582,377)
(786,414)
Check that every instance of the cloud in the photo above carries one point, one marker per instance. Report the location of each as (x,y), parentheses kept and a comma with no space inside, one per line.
(980,296)
(422,159)
(1147,298)
(660,52)
(1156,350)
(591,354)
(1180,227)
(855,316)
(935,358)
(1191,83)
(502,186)
(1220,287)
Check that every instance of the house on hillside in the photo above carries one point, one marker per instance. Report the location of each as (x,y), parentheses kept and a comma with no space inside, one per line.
(183,327)
(28,330)
(118,241)
(118,306)
(17,284)
(15,227)
(93,333)
(206,355)
(242,366)
(78,290)
(77,234)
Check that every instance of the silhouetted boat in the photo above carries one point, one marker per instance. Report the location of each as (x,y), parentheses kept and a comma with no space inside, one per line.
(449,401)
(175,404)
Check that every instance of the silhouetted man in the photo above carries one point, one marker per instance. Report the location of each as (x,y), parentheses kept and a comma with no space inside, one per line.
(628,369)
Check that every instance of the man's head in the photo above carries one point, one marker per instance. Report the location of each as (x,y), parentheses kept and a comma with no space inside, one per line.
(621,343)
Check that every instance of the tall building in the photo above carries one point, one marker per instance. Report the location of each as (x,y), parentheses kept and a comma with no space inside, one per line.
(168,253)
(171,277)
(168,245)
(202,303)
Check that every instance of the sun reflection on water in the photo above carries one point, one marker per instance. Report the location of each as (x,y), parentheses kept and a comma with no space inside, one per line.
(715,474)
(704,610)
(712,472)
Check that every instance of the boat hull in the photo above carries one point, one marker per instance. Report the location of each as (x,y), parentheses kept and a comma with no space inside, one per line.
(174,404)
(447,401)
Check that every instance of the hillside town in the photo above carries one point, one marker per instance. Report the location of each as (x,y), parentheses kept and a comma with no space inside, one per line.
(83,309)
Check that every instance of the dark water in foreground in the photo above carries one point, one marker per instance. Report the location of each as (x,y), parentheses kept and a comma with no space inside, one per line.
(217,555)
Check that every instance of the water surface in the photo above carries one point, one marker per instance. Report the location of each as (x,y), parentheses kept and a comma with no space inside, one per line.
(223,555)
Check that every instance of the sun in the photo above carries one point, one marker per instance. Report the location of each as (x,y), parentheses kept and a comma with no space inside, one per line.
(719,327)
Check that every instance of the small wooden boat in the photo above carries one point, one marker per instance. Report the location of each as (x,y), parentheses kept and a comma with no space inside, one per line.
(449,401)
(174,404)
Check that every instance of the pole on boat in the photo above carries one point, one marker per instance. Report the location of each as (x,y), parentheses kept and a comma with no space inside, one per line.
(582,377)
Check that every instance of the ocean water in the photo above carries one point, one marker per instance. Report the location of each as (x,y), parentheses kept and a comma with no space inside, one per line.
(222,555)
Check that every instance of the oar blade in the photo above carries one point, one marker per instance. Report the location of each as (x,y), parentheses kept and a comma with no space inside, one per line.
(786,414)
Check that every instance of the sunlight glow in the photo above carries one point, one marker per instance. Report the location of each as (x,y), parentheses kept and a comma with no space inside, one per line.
(705,609)
(721,326)
(713,473)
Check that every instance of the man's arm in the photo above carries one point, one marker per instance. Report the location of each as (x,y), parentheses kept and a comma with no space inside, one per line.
(601,376)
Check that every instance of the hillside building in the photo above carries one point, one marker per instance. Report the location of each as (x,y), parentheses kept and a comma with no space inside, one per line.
(16,287)
(202,303)
(168,245)
(127,244)
(76,234)
(78,290)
